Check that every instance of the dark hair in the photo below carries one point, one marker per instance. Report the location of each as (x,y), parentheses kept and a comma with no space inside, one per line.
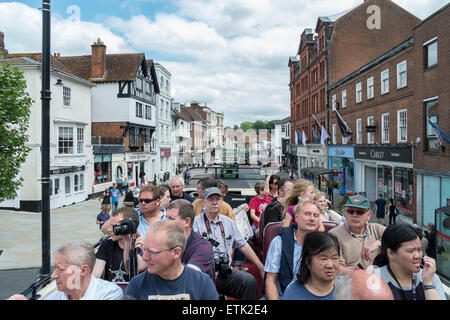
(313,244)
(274,177)
(162,189)
(127,213)
(185,209)
(206,183)
(391,200)
(282,182)
(393,237)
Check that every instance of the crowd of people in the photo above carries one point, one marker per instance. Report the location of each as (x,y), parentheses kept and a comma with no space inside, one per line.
(164,244)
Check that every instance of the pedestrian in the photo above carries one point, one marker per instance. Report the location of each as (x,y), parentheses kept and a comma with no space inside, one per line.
(115,195)
(380,209)
(431,237)
(318,268)
(103,216)
(106,198)
(142,178)
(393,211)
(119,181)
(400,265)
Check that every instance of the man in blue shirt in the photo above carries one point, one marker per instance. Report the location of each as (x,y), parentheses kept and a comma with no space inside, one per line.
(115,194)
(166,277)
(380,206)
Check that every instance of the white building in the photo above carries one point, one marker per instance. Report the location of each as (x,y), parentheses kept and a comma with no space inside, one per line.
(71,167)
(181,138)
(282,137)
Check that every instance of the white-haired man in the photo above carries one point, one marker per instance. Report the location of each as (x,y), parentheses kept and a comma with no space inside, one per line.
(176,185)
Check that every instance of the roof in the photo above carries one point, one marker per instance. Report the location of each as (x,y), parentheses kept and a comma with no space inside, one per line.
(316,170)
(178,114)
(282,121)
(190,114)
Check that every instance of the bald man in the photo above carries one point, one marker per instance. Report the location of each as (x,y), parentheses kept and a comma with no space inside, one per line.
(362,285)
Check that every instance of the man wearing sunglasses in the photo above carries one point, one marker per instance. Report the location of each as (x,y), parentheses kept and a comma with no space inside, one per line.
(149,210)
(359,240)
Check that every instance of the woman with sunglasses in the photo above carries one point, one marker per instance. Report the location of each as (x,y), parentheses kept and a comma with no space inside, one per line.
(106,198)
(400,261)
(318,268)
(273,186)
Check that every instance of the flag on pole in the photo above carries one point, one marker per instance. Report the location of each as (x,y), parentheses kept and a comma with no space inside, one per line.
(296,137)
(316,136)
(439,133)
(323,136)
(347,133)
(303,138)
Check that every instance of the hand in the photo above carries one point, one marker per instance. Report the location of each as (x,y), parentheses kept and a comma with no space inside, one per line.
(17,297)
(368,249)
(139,242)
(428,271)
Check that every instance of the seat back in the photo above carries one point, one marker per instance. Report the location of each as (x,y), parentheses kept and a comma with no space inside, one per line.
(329,225)
(270,231)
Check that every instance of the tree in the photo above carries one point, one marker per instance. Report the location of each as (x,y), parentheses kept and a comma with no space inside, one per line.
(15,110)
(246,125)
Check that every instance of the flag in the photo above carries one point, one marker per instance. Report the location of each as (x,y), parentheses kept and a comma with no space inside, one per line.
(303,138)
(296,137)
(299,138)
(347,133)
(323,136)
(316,136)
(439,133)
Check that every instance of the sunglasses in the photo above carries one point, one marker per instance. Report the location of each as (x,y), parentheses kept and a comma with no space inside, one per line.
(146,200)
(353,211)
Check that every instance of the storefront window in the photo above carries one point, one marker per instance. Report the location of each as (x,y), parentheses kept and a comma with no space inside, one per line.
(403,189)
(130,170)
(384,182)
(102,168)
(346,172)
(67,185)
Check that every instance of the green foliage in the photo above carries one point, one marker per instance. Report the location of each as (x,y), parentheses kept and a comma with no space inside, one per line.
(257,125)
(15,110)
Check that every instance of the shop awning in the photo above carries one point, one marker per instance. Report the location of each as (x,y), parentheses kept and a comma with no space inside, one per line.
(316,170)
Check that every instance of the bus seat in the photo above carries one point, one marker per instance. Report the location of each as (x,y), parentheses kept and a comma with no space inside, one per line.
(329,225)
(270,231)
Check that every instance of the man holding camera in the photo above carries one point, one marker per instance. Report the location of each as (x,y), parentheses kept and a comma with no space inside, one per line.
(113,258)
(224,235)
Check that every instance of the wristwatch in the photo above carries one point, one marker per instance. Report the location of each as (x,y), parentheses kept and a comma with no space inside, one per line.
(429,287)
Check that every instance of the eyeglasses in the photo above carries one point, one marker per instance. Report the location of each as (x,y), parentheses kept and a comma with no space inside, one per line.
(353,211)
(146,200)
(154,253)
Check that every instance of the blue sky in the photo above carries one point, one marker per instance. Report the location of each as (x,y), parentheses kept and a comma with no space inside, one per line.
(230,54)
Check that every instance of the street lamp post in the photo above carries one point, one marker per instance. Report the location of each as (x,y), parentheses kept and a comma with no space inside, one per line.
(45,127)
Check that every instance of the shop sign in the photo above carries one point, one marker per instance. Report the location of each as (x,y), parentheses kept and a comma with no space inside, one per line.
(136,157)
(344,152)
(394,154)
(66,170)
(165,153)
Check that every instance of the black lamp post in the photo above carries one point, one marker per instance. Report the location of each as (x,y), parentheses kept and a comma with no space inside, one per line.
(45,127)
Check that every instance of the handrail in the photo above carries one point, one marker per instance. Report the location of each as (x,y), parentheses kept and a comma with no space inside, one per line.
(43,281)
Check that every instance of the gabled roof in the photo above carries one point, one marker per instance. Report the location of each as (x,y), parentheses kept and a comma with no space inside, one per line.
(151,67)
(282,121)
(191,114)
(178,114)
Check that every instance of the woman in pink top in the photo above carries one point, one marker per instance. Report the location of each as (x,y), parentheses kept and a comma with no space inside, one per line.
(303,190)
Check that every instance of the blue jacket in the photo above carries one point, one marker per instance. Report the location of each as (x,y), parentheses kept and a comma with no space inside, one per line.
(286,273)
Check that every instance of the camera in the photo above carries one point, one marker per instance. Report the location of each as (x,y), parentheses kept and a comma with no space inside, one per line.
(127,226)
(222,266)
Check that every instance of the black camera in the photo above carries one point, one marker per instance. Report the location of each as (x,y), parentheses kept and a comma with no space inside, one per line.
(222,266)
(127,226)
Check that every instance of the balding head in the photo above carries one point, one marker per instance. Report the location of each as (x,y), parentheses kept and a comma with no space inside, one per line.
(362,285)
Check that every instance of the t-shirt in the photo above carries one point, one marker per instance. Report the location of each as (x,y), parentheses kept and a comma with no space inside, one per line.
(112,253)
(102,218)
(98,289)
(199,253)
(115,195)
(259,205)
(381,204)
(190,285)
(298,291)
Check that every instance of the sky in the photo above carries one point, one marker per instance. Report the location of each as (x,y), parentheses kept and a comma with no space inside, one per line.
(231,55)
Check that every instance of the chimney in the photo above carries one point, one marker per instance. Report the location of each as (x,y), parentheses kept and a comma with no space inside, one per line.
(3,51)
(98,59)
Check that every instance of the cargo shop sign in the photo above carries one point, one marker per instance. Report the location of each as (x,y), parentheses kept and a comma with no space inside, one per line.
(394,154)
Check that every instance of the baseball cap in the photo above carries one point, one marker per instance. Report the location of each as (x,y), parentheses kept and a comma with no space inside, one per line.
(211,191)
(358,201)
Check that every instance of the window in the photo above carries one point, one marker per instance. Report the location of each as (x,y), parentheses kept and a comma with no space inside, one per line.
(385,128)
(81,182)
(66,96)
(402,125)
(148,88)
(333,102)
(283,129)
(80,140)
(138,109)
(65,140)
(102,168)
(334,133)
(148,112)
(76,185)
(67,187)
(430,52)
(401,74)
(344,98)
(385,81)
(370,90)
(370,135)
(431,110)
(359,130)
(139,84)
(167,86)
(133,135)
(358,92)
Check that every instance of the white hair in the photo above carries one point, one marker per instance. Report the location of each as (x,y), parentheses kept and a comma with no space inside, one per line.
(78,253)
(179,179)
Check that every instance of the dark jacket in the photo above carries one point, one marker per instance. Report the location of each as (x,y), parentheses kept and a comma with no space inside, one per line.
(286,273)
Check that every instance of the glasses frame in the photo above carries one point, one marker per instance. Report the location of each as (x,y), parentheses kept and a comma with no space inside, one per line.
(358,212)
(155,253)
(146,200)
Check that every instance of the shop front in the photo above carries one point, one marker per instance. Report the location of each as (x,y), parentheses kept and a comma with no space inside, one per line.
(68,185)
(137,169)
(342,162)
(387,170)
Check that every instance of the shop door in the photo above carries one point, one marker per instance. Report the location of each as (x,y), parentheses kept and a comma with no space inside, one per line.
(431,196)
(370,183)
(55,193)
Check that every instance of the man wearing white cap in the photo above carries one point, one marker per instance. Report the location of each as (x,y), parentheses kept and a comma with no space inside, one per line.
(223,234)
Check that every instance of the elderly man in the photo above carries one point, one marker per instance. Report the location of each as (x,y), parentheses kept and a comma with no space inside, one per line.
(74,263)
(224,235)
(198,253)
(359,240)
(176,185)
(283,257)
(167,278)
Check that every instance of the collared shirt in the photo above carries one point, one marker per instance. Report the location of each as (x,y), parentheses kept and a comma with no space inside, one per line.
(143,224)
(233,237)
(98,289)
(351,244)
(273,258)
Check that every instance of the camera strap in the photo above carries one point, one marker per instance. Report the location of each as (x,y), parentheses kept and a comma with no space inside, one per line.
(222,231)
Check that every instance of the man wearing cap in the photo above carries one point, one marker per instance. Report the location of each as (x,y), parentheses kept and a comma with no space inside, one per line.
(224,235)
(359,240)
